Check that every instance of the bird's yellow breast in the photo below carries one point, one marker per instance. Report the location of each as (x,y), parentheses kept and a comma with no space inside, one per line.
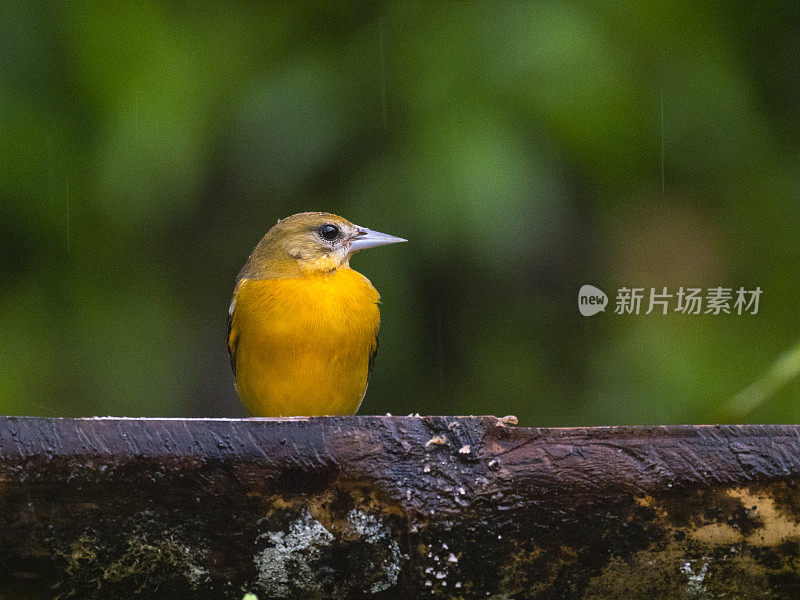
(303,345)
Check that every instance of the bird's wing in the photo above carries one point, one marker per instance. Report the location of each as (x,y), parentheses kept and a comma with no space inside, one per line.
(233,336)
(373,353)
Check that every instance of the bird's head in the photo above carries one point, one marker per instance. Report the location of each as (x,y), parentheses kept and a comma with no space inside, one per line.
(310,243)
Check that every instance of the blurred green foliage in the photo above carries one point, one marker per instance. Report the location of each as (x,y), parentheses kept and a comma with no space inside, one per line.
(524,148)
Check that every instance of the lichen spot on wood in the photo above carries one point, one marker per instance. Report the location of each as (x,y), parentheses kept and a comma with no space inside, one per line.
(305,559)
(137,559)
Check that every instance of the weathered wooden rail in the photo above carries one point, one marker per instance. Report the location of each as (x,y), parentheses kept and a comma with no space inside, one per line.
(396,507)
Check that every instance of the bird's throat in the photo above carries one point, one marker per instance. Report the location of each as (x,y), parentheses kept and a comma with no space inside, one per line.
(323,265)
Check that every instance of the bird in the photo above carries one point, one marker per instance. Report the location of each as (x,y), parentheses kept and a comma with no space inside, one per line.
(302,325)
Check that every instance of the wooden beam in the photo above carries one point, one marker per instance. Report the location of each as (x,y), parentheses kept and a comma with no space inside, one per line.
(396,507)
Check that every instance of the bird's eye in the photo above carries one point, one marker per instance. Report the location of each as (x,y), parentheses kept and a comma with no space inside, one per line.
(329,232)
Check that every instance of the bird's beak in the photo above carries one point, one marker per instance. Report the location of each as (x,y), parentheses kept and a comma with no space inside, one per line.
(366,238)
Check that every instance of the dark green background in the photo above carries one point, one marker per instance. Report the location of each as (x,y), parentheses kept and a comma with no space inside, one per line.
(524,149)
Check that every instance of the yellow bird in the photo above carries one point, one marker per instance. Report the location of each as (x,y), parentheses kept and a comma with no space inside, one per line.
(303,325)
